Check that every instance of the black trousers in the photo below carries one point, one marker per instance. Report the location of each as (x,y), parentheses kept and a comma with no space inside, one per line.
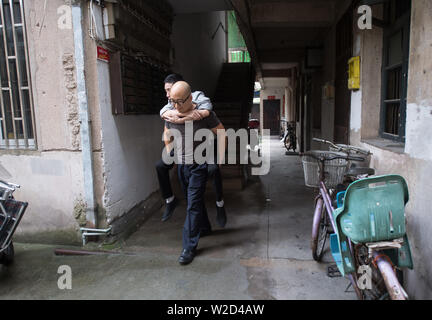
(215,174)
(193,179)
(163,169)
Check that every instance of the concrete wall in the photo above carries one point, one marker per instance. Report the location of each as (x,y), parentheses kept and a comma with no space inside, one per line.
(316,107)
(328,78)
(125,148)
(51,176)
(328,103)
(196,55)
(412,160)
(130,144)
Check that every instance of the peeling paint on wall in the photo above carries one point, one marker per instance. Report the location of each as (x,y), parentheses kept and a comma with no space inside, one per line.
(80,212)
(71,100)
(356,106)
(418,127)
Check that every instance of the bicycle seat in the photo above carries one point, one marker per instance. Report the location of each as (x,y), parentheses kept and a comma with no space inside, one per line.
(358,171)
(373,209)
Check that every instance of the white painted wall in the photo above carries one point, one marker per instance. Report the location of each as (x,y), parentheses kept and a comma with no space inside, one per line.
(356,105)
(51,177)
(196,56)
(51,182)
(131,147)
(418,129)
(414,160)
(130,144)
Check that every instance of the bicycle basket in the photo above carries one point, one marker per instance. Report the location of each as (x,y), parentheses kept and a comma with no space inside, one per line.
(335,170)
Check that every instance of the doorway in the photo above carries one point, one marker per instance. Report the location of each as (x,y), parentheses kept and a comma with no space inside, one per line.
(272,116)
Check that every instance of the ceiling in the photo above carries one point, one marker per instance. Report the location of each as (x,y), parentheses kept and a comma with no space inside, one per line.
(277,32)
(199,6)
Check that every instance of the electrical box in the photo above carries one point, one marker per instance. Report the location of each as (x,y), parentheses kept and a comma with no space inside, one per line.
(354,73)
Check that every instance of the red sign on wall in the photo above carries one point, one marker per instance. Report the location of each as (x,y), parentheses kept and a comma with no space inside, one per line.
(102,54)
(271,97)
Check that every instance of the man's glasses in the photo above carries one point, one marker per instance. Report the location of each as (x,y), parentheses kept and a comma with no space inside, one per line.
(179,102)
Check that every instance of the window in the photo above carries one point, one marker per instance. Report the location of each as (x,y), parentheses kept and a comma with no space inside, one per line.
(395,69)
(237,49)
(16,106)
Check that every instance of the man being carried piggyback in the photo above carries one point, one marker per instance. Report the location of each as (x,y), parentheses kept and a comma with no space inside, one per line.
(192,172)
(170,114)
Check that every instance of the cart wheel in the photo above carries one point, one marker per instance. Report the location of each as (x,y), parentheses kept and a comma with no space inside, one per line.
(7,256)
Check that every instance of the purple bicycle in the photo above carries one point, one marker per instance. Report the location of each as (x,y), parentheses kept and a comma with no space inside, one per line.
(365,221)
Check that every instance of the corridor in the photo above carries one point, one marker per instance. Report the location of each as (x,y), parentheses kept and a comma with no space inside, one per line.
(262,253)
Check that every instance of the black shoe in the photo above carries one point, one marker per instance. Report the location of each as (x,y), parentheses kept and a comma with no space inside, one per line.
(169,209)
(221,216)
(205,232)
(186,256)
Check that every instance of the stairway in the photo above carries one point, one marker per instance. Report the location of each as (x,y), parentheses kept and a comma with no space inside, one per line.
(232,103)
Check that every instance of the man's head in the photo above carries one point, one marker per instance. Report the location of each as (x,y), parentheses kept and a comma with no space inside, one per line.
(180,96)
(169,82)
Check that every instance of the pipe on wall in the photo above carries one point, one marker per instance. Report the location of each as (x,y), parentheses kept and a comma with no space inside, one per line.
(84,114)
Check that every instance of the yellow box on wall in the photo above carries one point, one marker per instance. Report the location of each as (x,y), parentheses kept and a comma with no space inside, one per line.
(354,73)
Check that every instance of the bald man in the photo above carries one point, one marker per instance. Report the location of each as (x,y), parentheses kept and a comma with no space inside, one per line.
(170,114)
(192,176)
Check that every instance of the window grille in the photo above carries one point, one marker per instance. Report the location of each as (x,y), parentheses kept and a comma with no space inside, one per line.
(16,112)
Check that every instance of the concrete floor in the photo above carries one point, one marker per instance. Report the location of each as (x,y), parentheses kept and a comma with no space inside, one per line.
(262,253)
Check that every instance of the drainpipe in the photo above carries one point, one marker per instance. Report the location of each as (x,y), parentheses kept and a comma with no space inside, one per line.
(84,114)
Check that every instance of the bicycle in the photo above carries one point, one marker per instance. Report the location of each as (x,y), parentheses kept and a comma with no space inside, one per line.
(290,138)
(11,212)
(350,257)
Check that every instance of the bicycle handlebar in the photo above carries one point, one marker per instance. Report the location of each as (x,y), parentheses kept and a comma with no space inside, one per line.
(327,142)
(340,148)
(9,186)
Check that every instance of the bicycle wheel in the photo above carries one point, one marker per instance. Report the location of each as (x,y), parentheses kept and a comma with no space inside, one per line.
(319,230)
(293,143)
(287,143)
(7,256)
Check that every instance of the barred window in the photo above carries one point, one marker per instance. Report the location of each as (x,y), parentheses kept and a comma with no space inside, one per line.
(395,69)
(16,112)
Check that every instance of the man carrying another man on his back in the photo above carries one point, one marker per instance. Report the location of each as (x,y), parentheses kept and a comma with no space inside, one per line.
(171,114)
(192,174)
